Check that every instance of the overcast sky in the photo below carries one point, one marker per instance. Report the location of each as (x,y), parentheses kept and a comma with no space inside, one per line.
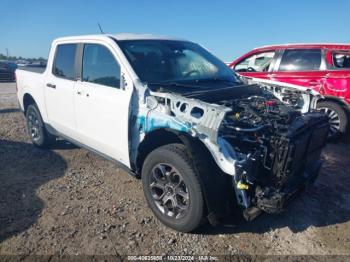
(227,28)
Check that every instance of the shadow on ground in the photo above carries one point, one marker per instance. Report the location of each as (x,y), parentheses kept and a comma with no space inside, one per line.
(23,169)
(325,203)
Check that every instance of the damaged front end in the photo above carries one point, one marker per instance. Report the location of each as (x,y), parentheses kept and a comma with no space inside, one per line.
(280,148)
(270,149)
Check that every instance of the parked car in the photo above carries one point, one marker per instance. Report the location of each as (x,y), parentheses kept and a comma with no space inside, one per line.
(168,111)
(7,71)
(324,68)
(34,67)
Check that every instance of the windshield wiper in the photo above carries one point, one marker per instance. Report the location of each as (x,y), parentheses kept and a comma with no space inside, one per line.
(215,80)
(177,84)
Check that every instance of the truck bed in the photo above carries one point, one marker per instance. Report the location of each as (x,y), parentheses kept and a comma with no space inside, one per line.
(35,69)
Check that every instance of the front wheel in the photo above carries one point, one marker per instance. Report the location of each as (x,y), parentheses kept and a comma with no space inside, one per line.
(172,188)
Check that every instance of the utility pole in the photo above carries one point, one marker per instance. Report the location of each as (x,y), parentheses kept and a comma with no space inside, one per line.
(7,53)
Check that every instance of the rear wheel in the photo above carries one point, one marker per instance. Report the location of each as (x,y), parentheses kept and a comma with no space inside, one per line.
(338,118)
(172,188)
(39,135)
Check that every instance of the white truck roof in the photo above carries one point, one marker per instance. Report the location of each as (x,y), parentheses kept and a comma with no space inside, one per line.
(120,36)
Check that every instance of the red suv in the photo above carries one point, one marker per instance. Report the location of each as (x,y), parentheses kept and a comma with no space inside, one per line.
(322,67)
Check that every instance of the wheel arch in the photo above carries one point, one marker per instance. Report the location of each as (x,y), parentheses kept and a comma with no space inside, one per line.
(216,185)
(153,140)
(338,126)
(27,100)
(337,100)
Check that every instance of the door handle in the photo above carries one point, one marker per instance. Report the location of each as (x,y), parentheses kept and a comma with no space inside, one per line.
(51,85)
(82,92)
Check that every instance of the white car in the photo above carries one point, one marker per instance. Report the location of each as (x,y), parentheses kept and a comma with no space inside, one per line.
(203,142)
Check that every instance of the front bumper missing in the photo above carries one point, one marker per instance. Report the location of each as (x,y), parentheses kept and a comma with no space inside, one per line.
(275,201)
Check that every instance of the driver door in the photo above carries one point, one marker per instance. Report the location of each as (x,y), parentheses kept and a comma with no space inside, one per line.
(257,65)
(102,101)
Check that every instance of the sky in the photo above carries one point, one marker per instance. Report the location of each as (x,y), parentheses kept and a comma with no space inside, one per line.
(228,28)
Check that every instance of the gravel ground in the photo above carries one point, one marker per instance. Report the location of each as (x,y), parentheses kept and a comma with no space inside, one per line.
(70,201)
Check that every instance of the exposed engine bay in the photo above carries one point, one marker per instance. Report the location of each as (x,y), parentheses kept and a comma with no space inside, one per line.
(267,137)
(280,147)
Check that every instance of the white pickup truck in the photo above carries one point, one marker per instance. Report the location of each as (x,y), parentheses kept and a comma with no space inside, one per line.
(203,142)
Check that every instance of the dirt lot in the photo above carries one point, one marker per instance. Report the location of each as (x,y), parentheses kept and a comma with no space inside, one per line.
(70,201)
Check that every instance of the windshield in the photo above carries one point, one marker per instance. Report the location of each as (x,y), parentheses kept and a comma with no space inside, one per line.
(169,61)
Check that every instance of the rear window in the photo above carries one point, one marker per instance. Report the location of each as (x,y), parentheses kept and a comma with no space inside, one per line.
(64,64)
(301,60)
(341,60)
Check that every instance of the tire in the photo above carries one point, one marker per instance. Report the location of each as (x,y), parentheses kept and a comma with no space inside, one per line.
(38,133)
(169,178)
(338,118)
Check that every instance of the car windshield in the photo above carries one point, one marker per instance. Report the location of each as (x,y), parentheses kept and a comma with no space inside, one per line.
(175,62)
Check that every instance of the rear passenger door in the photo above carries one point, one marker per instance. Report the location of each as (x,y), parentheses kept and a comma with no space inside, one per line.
(337,82)
(304,67)
(102,102)
(59,90)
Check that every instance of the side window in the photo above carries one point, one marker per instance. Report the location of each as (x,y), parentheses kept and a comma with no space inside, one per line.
(100,66)
(341,60)
(256,63)
(244,64)
(300,60)
(64,64)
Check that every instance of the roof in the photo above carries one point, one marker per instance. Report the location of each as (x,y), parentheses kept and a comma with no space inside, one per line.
(120,36)
(130,36)
(302,45)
